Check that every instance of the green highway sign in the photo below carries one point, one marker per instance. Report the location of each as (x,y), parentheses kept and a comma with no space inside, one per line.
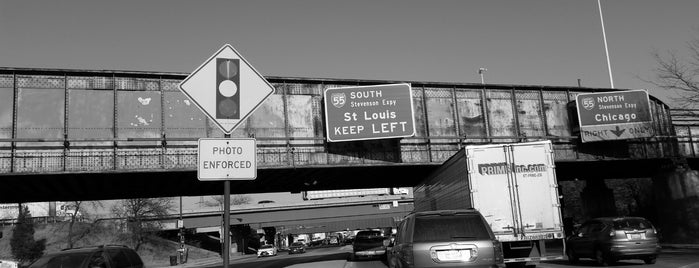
(614,115)
(369,112)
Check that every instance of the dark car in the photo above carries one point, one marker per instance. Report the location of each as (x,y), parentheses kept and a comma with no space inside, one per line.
(316,243)
(609,239)
(369,244)
(108,256)
(297,247)
(445,238)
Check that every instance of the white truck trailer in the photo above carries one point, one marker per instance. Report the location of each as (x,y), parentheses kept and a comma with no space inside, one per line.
(514,187)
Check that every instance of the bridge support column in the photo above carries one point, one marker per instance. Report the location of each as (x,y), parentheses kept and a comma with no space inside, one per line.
(677,197)
(597,199)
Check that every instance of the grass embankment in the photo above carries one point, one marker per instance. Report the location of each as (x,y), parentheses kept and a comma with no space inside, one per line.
(155,253)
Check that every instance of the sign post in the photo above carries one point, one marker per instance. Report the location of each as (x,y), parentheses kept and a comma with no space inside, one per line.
(369,112)
(614,115)
(227,222)
(227,89)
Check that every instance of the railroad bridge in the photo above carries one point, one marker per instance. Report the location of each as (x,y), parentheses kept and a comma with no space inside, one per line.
(96,134)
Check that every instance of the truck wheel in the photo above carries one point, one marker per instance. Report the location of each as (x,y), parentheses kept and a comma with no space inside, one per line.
(601,258)
(650,260)
(572,257)
(391,263)
(516,265)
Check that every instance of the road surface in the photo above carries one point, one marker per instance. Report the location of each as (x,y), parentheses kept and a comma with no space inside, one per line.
(338,257)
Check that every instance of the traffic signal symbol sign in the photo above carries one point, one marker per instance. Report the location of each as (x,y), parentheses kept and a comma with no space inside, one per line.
(226,88)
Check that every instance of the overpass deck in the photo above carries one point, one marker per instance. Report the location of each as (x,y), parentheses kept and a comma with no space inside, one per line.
(309,217)
(86,134)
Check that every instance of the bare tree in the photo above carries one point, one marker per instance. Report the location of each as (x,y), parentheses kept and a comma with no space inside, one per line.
(141,215)
(77,211)
(679,73)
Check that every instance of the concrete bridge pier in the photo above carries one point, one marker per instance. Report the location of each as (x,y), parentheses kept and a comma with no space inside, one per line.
(677,197)
(597,199)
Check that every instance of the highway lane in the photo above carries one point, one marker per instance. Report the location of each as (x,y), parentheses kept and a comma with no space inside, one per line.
(338,257)
(328,257)
(283,259)
(668,258)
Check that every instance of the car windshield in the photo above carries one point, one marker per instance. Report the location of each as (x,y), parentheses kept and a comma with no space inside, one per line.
(60,261)
(365,235)
(266,246)
(632,224)
(297,244)
(449,228)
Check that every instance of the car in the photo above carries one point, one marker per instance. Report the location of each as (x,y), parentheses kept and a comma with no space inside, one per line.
(445,238)
(104,256)
(369,244)
(267,250)
(349,240)
(297,247)
(316,243)
(609,239)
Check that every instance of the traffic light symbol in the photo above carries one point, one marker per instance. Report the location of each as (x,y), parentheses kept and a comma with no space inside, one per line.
(227,88)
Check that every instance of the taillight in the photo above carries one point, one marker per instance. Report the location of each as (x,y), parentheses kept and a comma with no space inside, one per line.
(408,255)
(497,250)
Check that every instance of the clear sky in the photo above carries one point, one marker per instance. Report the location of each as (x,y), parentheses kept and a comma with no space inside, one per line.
(533,42)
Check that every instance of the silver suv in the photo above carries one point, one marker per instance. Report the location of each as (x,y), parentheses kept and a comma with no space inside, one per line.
(445,238)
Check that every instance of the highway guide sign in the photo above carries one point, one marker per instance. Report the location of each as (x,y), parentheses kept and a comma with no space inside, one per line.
(226,88)
(369,112)
(227,159)
(614,115)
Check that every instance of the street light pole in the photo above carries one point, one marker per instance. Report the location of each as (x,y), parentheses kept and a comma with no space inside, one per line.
(606,49)
(482,71)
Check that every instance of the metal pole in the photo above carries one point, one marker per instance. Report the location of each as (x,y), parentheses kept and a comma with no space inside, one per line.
(226,222)
(606,49)
(227,218)
(181,232)
(482,71)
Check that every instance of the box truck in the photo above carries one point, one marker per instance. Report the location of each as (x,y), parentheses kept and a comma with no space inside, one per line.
(514,187)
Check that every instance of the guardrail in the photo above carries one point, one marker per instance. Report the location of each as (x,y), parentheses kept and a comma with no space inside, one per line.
(125,154)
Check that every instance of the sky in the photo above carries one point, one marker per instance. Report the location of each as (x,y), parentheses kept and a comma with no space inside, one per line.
(533,42)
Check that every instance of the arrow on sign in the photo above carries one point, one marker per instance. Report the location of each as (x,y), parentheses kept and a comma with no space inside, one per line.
(618,131)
